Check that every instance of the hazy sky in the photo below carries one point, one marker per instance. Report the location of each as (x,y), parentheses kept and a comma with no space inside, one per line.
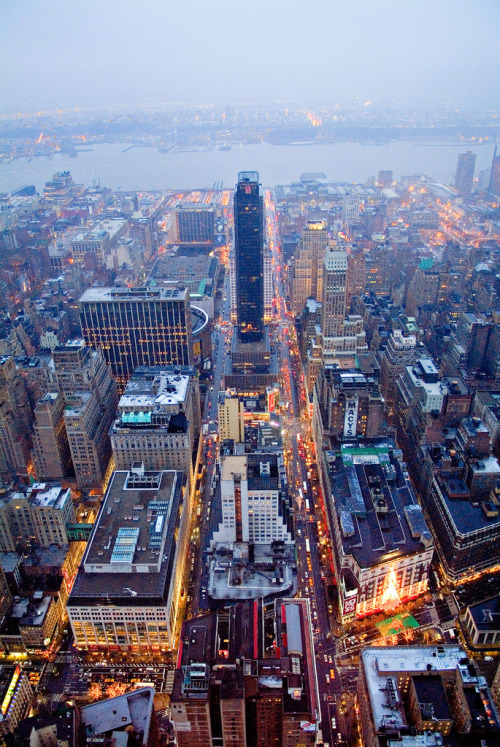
(91,52)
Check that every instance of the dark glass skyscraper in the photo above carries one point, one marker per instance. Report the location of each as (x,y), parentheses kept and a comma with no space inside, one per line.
(249,255)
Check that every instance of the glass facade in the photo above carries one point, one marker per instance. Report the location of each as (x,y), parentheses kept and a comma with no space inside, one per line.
(134,328)
(249,256)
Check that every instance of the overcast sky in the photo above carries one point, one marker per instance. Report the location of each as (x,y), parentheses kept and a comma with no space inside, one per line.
(58,53)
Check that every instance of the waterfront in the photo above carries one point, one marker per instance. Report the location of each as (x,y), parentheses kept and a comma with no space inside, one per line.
(120,166)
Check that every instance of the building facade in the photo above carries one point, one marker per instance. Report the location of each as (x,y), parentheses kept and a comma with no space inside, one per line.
(249,257)
(138,327)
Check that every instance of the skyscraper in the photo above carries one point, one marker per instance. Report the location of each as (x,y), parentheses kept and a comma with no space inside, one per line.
(249,257)
(334,291)
(308,265)
(465,173)
(138,327)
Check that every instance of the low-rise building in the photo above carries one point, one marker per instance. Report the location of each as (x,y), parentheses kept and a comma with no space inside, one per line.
(126,719)
(482,621)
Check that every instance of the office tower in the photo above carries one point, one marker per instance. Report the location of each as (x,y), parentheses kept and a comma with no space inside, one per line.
(334,291)
(194,225)
(465,173)
(307,270)
(356,274)
(347,405)
(343,337)
(91,398)
(158,420)
(231,422)
(378,562)
(138,327)
(87,426)
(494,185)
(127,593)
(399,352)
(249,257)
(423,287)
(253,500)
(37,515)
(350,209)
(51,454)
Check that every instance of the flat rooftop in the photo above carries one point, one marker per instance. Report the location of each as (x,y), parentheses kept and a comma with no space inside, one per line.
(132,709)
(165,390)
(486,615)
(110,295)
(133,539)
(382,667)
(467,515)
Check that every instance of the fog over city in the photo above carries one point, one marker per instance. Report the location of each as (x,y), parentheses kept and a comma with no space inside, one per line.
(56,54)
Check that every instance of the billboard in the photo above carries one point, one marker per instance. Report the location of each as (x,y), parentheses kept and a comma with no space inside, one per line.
(351,416)
(350,603)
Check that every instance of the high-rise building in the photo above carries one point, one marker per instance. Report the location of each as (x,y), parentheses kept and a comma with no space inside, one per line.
(465,173)
(350,209)
(158,420)
(249,257)
(16,421)
(254,501)
(308,265)
(343,337)
(334,291)
(51,454)
(399,352)
(138,327)
(494,185)
(91,398)
(194,225)
(38,515)
(231,422)
(384,179)
(346,405)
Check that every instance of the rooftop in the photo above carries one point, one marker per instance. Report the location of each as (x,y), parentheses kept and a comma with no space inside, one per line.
(486,615)
(383,666)
(110,295)
(130,549)
(132,709)
(375,504)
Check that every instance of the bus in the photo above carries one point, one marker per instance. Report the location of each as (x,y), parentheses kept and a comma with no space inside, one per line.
(308,507)
(308,546)
(305,486)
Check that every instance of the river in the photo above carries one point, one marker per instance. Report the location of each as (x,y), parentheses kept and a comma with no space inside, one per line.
(120,166)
